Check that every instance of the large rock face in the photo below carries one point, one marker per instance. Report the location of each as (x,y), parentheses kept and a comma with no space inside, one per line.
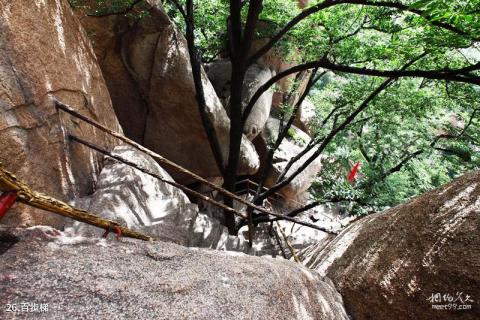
(95,279)
(46,54)
(148,205)
(139,201)
(397,260)
(147,67)
(306,116)
(219,73)
(290,147)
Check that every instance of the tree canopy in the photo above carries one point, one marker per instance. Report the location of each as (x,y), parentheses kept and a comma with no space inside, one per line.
(401,95)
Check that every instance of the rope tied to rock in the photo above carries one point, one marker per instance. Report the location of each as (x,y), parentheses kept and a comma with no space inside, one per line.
(176,167)
(13,188)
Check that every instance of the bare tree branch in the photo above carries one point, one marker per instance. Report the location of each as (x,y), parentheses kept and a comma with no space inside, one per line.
(400,165)
(327,140)
(469,123)
(197,80)
(314,142)
(179,8)
(456,75)
(334,131)
(254,9)
(284,131)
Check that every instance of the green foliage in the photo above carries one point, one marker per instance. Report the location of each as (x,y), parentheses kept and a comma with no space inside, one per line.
(292,133)
(100,8)
(210,25)
(408,126)
(461,14)
(408,117)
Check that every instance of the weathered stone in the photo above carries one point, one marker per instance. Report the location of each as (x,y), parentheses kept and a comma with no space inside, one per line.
(290,147)
(264,240)
(146,204)
(219,73)
(138,200)
(302,237)
(397,260)
(147,68)
(209,232)
(305,116)
(275,61)
(95,279)
(46,54)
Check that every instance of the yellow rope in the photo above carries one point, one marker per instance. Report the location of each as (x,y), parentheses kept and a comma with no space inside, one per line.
(10,183)
(290,247)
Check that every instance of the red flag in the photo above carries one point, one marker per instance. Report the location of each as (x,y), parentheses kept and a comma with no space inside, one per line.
(6,201)
(351,176)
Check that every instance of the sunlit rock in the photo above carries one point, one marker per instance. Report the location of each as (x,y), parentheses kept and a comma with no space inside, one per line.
(147,67)
(403,257)
(138,200)
(45,54)
(219,73)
